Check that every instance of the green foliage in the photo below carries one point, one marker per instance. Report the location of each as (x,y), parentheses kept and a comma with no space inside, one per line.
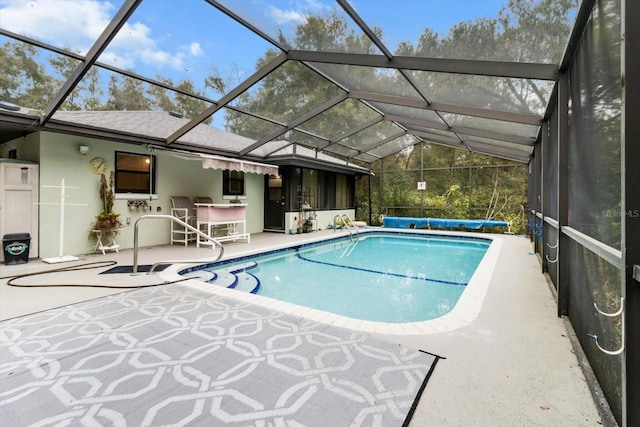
(459,185)
(524,31)
(23,80)
(295,89)
(107,220)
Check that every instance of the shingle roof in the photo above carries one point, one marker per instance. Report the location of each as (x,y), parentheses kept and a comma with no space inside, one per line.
(160,124)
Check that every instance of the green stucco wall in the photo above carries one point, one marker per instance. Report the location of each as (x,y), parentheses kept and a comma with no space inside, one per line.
(60,158)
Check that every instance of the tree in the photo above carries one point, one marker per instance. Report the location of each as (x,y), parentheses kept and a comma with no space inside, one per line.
(295,89)
(23,78)
(160,97)
(88,93)
(189,106)
(523,31)
(126,93)
(93,94)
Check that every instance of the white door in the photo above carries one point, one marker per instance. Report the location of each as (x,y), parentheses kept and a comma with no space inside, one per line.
(19,201)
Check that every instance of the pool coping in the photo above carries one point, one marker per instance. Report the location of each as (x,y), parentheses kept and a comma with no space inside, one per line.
(463,313)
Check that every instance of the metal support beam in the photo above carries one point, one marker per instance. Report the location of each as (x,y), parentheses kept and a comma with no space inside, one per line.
(109,67)
(498,136)
(438,139)
(364,27)
(579,26)
(384,141)
(422,179)
(611,255)
(473,146)
(246,23)
(518,70)
(383,48)
(352,132)
(497,150)
(90,58)
(295,123)
(370,204)
(544,145)
(631,209)
(563,194)
(462,130)
(230,96)
(537,164)
(527,119)
(512,157)
(404,120)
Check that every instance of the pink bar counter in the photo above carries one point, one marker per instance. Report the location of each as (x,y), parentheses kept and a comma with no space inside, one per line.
(214,218)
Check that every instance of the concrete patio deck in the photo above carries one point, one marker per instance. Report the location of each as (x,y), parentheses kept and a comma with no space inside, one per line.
(513,365)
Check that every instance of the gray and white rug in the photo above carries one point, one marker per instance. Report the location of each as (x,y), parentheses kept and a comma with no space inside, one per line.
(173,355)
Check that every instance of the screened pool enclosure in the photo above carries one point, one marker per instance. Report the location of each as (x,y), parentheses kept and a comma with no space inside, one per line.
(544,87)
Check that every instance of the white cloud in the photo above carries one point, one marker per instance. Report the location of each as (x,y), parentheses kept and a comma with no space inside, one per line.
(65,23)
(195,49)
(76,24)
(119,61)
(315,5)
(281,16)
(135,42)
(297,14)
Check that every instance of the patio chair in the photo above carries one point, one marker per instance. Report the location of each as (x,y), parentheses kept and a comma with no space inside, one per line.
(198,199)
(183,209)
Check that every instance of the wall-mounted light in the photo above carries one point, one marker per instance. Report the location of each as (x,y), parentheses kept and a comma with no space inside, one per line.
(84,150)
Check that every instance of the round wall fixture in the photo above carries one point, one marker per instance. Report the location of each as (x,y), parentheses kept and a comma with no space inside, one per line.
(98,165)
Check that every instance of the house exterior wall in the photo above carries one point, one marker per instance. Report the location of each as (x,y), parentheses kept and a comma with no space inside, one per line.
(324,219)
(27,147)
(60,158)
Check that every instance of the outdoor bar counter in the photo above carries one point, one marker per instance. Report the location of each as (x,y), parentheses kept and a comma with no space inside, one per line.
(222,222)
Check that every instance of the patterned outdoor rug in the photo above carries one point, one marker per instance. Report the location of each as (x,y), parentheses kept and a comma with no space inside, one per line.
(173,355)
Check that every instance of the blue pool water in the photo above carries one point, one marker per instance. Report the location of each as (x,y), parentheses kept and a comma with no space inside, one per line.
(385,277)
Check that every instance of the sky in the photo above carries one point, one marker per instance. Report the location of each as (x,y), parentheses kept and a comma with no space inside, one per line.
(190,39)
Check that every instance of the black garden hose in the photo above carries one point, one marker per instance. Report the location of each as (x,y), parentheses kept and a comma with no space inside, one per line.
(86,266)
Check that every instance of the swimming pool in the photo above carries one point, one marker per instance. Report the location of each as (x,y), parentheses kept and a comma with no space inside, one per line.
(390,277)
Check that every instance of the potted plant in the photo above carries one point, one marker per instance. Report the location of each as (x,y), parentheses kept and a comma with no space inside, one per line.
(307,226)
(107,223)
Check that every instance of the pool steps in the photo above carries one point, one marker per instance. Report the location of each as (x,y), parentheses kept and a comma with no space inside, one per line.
(232,277)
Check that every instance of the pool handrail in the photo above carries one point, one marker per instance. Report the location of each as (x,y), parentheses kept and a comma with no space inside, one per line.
(182,223)
(350,221)
(346,224)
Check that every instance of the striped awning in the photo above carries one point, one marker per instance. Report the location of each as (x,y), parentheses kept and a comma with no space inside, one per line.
(218,162)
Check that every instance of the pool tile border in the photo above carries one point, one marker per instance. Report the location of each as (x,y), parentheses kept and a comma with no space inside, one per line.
(464,312)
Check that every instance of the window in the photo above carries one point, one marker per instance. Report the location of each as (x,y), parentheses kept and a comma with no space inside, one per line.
(327,190)
(322,189)
(232,183)
(135,173)
(342,191)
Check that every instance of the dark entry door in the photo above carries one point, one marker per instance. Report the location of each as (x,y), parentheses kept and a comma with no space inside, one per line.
(274,204)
